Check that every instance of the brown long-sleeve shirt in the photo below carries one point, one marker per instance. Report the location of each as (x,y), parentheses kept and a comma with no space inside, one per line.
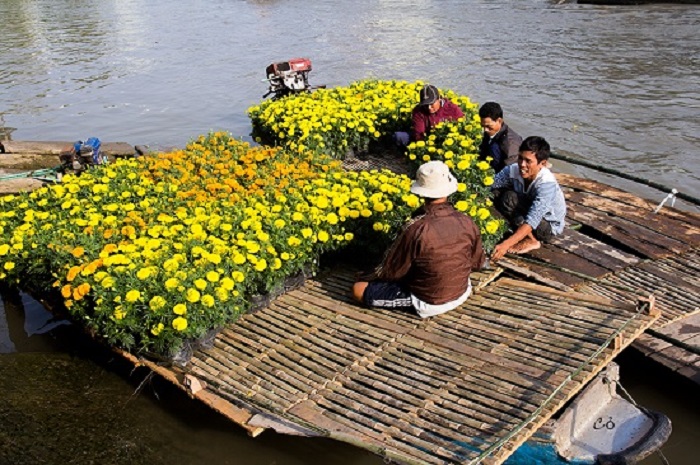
(434,254)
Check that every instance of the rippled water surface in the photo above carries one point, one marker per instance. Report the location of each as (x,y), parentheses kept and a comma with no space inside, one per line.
(615,85)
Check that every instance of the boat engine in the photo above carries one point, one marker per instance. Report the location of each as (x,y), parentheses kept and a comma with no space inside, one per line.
(288,77)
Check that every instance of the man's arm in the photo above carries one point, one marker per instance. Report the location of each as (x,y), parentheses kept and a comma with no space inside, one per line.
(478,255)
(399,257)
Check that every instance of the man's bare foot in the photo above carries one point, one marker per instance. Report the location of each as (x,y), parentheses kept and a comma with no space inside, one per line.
(526,245)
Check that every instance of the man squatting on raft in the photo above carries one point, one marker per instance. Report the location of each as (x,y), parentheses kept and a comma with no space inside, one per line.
(427,267)
(432,109)
(528,196)
(500,142)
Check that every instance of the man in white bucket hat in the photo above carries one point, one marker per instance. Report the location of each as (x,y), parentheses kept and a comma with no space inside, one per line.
(427,267)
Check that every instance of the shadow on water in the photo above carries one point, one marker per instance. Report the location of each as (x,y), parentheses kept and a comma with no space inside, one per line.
(65,399)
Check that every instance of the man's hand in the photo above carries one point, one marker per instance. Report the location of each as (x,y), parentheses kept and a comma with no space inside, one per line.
(499,251)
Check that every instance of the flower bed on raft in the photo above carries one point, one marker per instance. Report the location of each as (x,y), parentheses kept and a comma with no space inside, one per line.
(153,252)
(336,121)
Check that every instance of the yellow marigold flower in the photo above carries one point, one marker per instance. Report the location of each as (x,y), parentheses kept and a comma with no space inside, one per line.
(66,291)
(296,216)
(143,273)
(261,265)
(180,324)
(462,205)
(323,236)
(156,329)
(4,249)
(200,284)
(483,165)
(252,246)
(180,309)
(492,226)
(119,313)
(156,303)
(279,223)
(133,295)
(192,295)
(208,300)
(10,266)
(238,276)
(239,259)
(222,294)
(72,273)
(322,202)
(171,265)
(214,258)
(461,187)
(172,283)
(484,213)
(378,226)
(488,180)
(227,283)
(332,218)
(78,252)
(213,276)
(108,282)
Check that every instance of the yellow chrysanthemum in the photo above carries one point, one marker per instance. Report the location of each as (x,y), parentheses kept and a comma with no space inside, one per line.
(180,324)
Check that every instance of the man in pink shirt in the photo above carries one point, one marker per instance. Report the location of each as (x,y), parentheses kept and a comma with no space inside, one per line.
(431,110)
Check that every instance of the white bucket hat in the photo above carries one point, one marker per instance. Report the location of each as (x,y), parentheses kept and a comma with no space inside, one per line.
(434,180)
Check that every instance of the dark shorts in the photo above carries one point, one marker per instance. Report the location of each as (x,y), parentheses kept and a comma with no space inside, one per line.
(386,295)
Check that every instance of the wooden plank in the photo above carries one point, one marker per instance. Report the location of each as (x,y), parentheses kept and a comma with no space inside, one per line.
(676,228)
(541,274)
(598,252)
(559,257)
(588,185)
(643,241)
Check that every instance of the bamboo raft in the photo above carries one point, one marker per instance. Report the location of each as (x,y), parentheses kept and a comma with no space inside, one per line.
(471,385)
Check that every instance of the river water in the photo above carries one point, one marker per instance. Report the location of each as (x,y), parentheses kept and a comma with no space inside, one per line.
(617,86)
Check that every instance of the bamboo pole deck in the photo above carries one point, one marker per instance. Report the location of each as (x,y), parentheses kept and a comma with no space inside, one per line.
(434,391)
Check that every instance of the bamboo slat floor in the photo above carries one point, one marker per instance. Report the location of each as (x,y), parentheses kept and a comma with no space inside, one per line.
(436,391)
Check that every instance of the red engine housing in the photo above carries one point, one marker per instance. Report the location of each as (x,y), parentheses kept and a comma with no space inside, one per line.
(295,65)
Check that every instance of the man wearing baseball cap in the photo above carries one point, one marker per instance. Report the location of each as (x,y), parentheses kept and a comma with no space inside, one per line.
(427,267)
(431,110)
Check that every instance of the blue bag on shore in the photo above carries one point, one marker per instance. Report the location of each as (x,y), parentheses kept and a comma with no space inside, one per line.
(90,146)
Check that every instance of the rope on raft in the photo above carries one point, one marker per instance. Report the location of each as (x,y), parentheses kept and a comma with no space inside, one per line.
(646,182)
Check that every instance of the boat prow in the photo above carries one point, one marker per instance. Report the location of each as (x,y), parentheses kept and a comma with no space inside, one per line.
(602,427)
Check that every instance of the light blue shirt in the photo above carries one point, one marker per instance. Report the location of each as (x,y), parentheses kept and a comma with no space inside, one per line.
(544,193)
